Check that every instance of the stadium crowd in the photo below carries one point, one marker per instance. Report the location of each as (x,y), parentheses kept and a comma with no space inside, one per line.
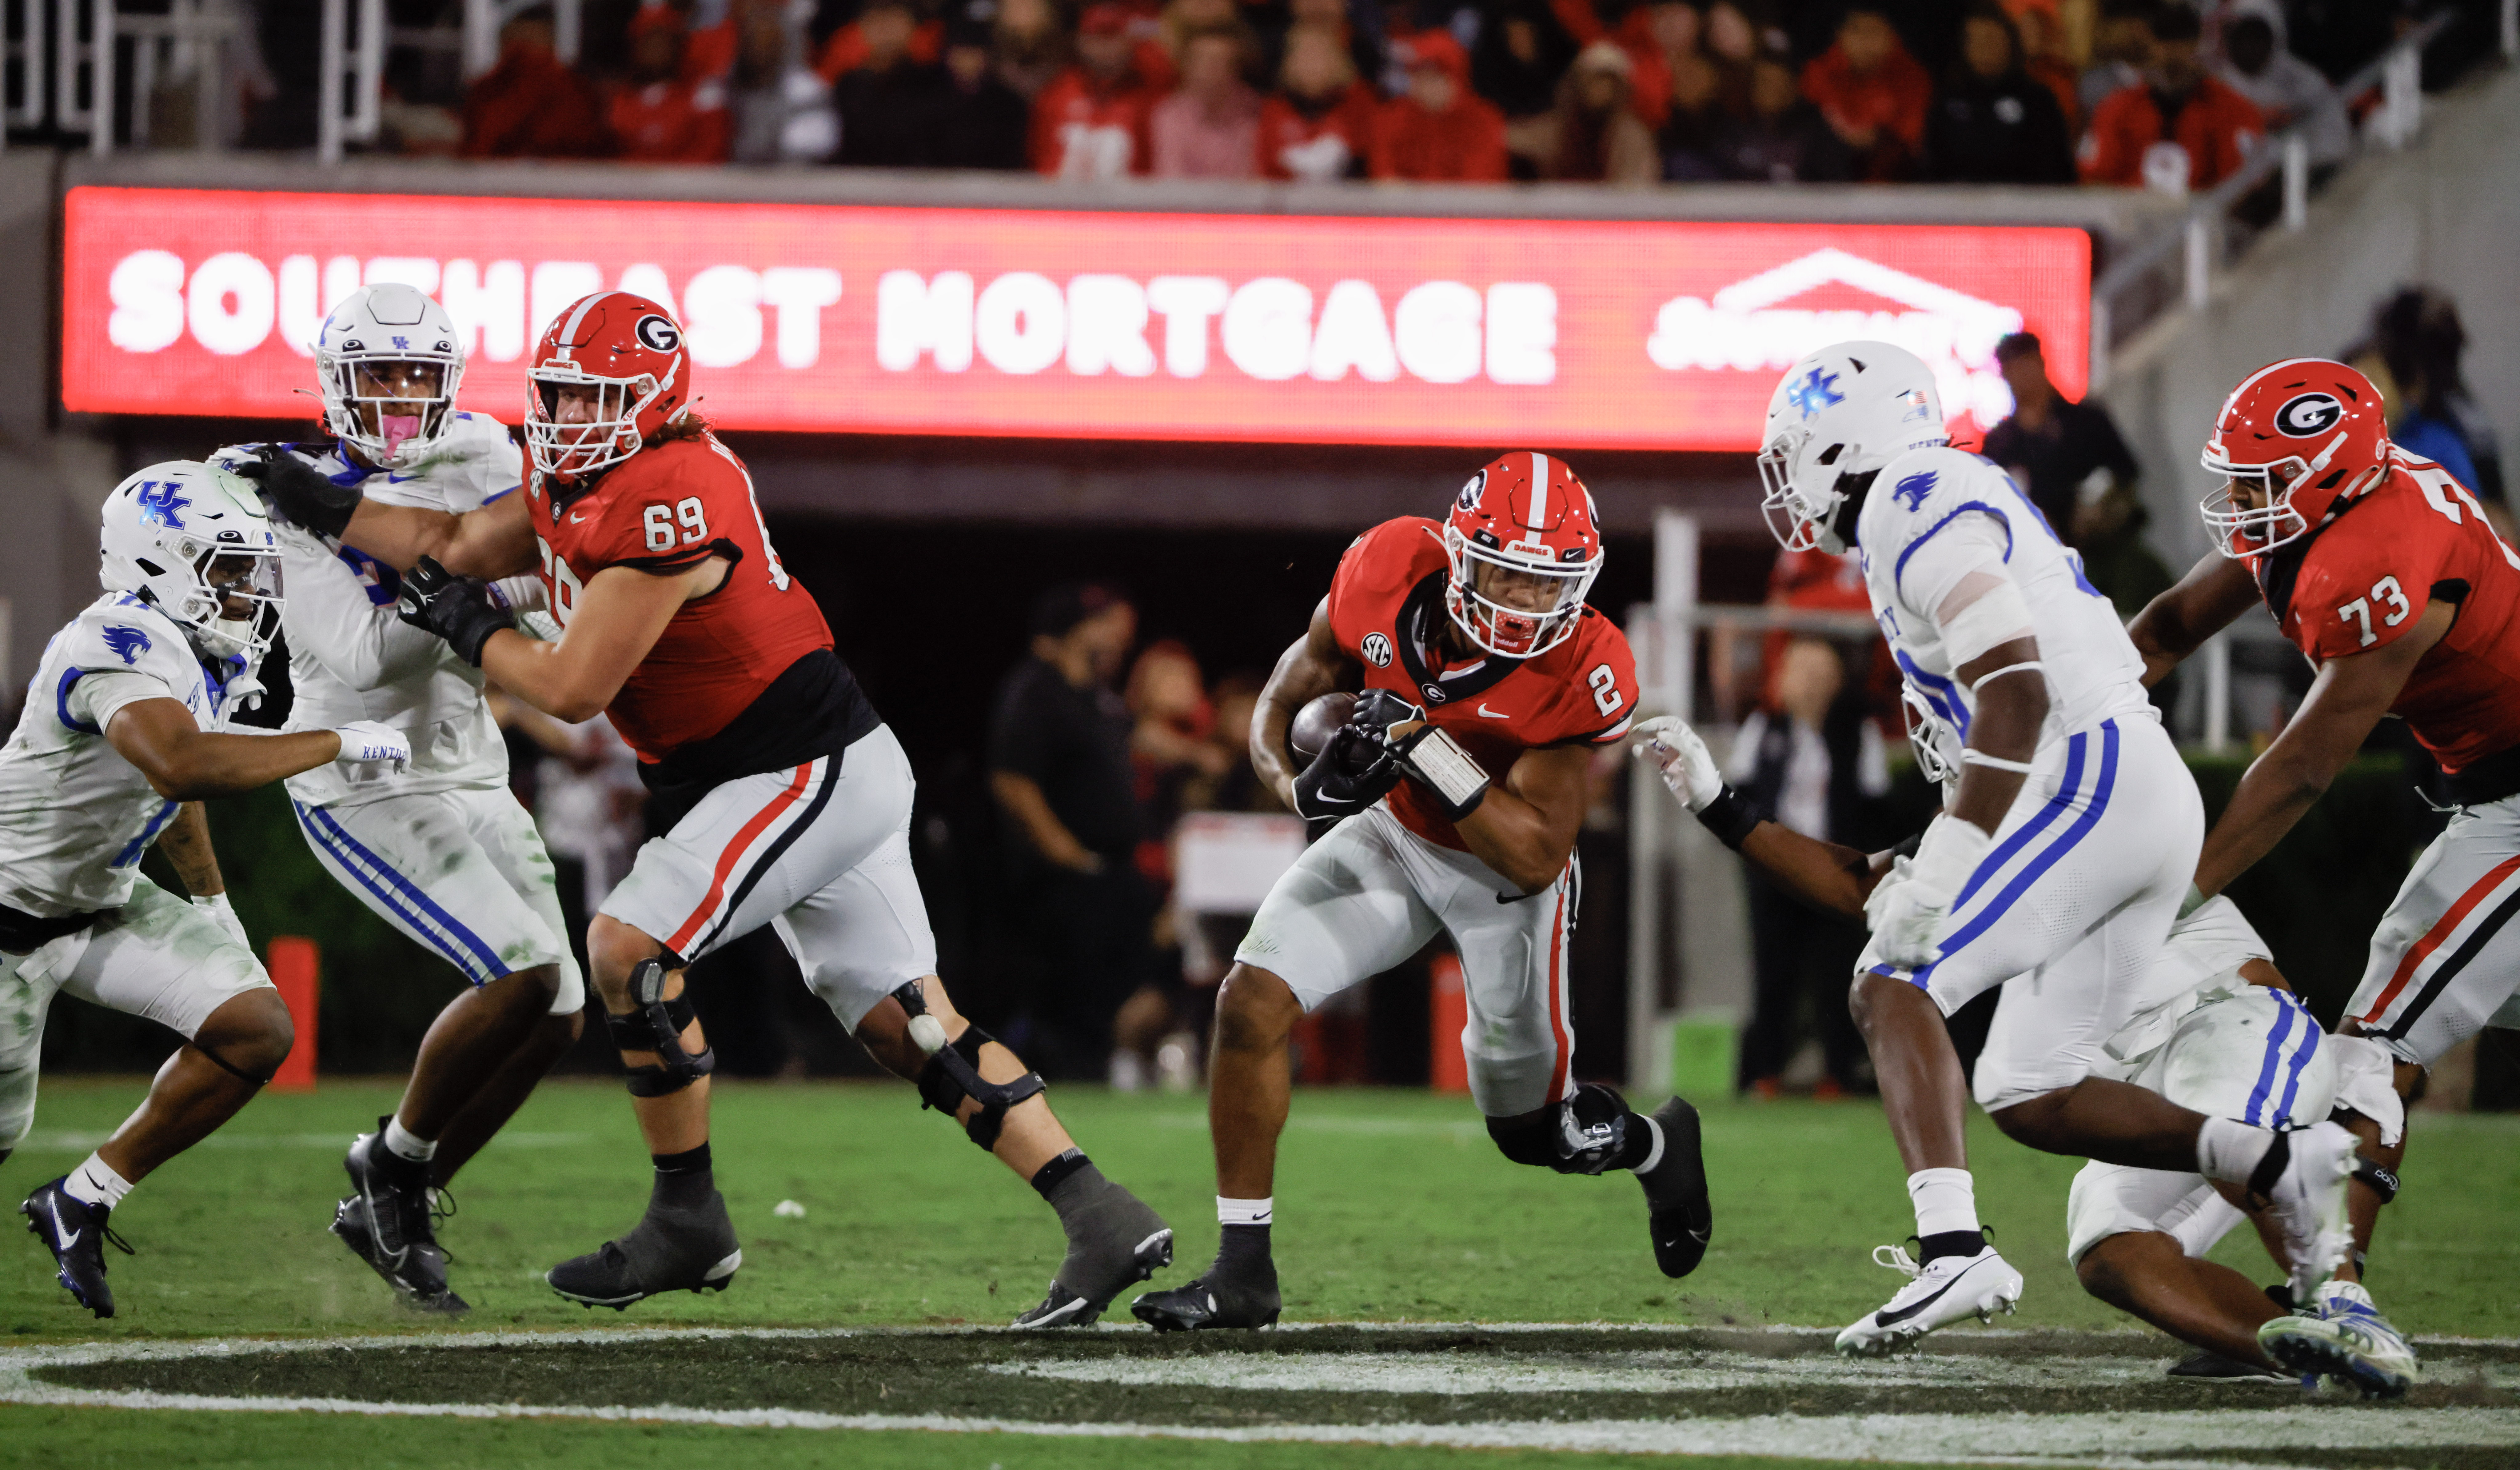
(2125,92)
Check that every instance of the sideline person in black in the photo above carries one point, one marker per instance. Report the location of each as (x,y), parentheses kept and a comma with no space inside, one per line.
(1058,765)
(1993,123)
(2053,446)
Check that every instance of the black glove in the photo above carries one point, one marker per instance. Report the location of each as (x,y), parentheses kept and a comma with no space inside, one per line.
(461,610)
(1353,770)
(299,491)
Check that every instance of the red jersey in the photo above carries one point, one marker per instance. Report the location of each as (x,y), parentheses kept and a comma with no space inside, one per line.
(1387,611)
(2218,127)
(1462,144)
(1082,129)
(671,123)
(662,510)
(2365,578)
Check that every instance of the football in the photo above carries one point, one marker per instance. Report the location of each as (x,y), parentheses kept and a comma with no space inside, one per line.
(1315,723)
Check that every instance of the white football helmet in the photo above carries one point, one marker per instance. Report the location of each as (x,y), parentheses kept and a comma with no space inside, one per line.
(391,418)
(164,530)
(1843,410)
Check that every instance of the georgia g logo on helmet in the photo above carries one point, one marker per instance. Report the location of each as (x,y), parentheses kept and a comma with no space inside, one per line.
(656,333)
(2309,415)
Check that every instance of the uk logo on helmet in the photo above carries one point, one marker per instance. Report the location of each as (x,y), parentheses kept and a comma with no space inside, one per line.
(158,503)
(656,333)
(1816,391)
(2309,414)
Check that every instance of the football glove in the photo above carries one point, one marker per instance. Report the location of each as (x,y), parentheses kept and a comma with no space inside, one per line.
(1688,768)
(1353,770)
(298,492)
(217,906)
(463,611)
(364,742)
(1909,905)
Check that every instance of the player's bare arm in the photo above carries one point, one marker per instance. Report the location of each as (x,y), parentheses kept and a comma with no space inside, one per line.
(1826,875)
(617,619)
(494,541)
(1526,826)
(2345,702)
(2012,706)
(2213,595)
(184,763)
(186,842)
(1312,666)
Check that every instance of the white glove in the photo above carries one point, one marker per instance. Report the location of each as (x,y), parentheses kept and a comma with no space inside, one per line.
(365,742)
(218,907)
(1687,766)
(1906,908)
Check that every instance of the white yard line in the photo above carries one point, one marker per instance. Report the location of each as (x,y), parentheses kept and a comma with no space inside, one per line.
(62,1142)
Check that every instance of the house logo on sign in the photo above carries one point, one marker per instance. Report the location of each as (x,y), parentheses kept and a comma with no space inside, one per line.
(1746,326)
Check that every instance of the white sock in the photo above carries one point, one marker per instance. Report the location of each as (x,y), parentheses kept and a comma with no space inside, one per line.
(2229,1150)
(403,1143)
(1245,1212)
(1946,1201)
(96,1183)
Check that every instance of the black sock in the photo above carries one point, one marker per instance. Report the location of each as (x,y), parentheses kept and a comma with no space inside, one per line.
(1639,1136)
(1244,1251)
(684,1181)
(1951,1243)
(1059,1171)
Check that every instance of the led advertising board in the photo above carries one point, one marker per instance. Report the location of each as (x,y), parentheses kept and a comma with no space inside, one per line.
(948,321)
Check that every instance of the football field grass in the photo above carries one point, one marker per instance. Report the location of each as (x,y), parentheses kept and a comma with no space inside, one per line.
(1392,1207)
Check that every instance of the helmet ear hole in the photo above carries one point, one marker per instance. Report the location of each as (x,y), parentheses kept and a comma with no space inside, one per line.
(150,566)
(1828,456)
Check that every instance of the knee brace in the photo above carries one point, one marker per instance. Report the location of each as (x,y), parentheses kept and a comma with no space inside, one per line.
(2382,1180)
(228,1067)
(657,1026)
(953,1074)
(1583,1136)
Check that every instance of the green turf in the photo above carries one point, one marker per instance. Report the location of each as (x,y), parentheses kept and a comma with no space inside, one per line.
(1390,1206)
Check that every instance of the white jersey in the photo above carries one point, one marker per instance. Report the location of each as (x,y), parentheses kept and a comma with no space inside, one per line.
(2093,669)
(351,657)
(74,817)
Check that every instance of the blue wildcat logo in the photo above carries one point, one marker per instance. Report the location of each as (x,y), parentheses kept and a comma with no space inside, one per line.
(127,643)
(1914,488)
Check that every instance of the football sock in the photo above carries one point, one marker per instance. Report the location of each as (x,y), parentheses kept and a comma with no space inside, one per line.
(403,1143)
(1643,1147)
(1946,1201)
(1047,1180)
(2229,1150)
(1244,1247)
(95,1182)
(683,1180)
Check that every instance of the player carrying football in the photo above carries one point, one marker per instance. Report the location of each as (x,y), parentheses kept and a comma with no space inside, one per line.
(442,851)
(786,797)
(2060,858)
(1488,687)
(2213,1028)
(2381,569)
(123,734)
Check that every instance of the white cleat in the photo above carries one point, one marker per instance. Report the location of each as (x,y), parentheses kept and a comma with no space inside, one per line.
(2306,1202)
(1945,1290)
(2347,1337)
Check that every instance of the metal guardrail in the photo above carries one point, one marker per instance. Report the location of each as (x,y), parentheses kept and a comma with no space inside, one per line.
(2199,236)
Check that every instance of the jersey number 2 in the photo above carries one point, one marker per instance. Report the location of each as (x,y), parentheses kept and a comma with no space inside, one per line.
(1605,689)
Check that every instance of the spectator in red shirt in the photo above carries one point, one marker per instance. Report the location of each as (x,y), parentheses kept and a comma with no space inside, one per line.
(2180,129)
(708,51)
(1092,122)
(1439,131)
(1320,124)
(661,118)
(850,49)
(1209,128)
(531,104)
(1872,94)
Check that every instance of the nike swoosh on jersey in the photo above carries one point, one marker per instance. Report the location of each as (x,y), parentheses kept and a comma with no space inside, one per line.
(1487,714)
(574,519)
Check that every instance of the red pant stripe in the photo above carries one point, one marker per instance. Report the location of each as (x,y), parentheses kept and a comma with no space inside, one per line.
(734,850)
(2422,949)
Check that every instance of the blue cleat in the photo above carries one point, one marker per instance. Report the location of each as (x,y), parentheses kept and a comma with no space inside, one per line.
(76,1233)
(2347,1339)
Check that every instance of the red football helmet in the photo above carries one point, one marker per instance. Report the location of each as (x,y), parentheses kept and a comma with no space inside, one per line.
(1524,551)
(630,352)
(2295,442)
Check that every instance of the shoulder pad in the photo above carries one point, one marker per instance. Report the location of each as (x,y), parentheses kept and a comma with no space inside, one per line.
(127,633)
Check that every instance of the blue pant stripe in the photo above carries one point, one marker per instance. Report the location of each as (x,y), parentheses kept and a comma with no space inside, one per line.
(2030,872)
(2267,1067)
(402,896)
(2057,805)
(2302,1053)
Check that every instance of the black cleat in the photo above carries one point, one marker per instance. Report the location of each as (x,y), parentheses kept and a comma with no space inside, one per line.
(1210,1302)
(387,1223)
(76,1233)
(1113,1243)
(670,1249)
(2207,1363)
(1682,1218)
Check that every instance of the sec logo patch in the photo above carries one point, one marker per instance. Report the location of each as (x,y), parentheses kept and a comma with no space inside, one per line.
(1376,650)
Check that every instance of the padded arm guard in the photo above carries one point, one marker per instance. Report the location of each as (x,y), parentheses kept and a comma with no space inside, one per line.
(953,1075)
(657,1026)
(1437,761)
